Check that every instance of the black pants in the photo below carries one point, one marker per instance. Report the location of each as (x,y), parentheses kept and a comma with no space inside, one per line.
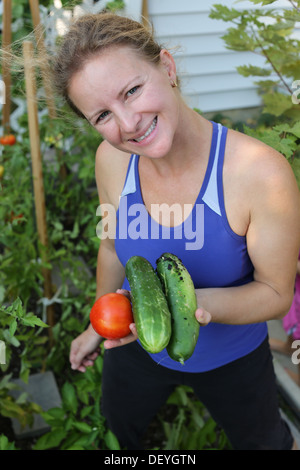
(240,396)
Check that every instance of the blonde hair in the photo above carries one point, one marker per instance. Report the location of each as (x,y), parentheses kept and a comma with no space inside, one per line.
(92,34)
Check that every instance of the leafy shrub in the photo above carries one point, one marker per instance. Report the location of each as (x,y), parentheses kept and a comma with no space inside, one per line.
(270,33)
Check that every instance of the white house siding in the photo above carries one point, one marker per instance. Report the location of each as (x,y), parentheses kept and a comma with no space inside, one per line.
(207,70)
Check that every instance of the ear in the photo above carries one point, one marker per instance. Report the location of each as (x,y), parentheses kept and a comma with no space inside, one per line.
(168,63)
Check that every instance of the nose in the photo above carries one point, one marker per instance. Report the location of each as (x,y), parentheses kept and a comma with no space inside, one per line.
(128,120)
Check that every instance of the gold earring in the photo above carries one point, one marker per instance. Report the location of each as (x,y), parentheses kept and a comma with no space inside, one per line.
(173,83)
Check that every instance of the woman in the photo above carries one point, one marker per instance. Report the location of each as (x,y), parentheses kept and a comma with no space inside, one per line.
(236,204)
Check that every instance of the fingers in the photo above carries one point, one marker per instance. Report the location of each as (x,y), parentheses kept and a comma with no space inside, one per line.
(84,350)
(124,292)
(89,360)
(202,316)
(86,362)
(114,343)
(73,356)
(133,330)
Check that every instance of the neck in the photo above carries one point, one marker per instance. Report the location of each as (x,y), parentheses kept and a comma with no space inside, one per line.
(192,139)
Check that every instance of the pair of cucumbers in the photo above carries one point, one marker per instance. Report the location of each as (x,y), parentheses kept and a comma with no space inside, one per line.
(163,304)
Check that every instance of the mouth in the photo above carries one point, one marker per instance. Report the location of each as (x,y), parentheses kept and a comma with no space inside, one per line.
(147,133)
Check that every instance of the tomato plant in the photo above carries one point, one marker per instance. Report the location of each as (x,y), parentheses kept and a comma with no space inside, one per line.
(111,316)
(8,139)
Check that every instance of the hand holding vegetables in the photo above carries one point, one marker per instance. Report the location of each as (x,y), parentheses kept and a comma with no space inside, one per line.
(163,311)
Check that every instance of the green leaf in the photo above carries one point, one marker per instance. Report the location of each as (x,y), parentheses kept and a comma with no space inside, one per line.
(295,164)
(50,440)
(2,293)
(196,417)
(285,145)
(295,129)
(86,411)
(10,339)
(99,364)
(75,232)
(24,374)
(182,396)
(69,397)
(13,327)
(33,320)
(22,399)
(82,427)
(5,444)
(266,86)
(5,382)
(54,413)
(277,103)
(252,70)
(11,409)
(75,447)
(224,13)
(264,2)
(111,441)
(238,39)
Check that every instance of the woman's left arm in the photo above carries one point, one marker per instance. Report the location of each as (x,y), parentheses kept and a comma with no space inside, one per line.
(273,241)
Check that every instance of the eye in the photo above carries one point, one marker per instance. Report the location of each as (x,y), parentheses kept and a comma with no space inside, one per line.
(101,117)
(132,90)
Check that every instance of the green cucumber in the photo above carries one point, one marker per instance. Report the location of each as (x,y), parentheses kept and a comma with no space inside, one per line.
(180,293)
(149,305)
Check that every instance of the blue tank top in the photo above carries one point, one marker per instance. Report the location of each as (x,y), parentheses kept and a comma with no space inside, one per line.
(214,255)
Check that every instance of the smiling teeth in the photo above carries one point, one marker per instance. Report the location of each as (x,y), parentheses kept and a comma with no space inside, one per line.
(151,128)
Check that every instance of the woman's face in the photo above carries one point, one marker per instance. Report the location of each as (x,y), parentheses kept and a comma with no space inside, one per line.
(130,101)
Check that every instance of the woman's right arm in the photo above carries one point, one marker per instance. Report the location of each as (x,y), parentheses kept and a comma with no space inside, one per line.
(110,275)
(110,174)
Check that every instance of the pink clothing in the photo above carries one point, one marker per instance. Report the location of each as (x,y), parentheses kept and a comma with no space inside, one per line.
(291,322)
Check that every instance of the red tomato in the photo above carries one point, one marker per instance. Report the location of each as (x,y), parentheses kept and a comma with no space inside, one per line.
(14,216)
(8,139)
(111,316)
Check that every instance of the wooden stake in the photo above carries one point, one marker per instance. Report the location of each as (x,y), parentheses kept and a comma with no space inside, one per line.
(37,172)
(6,72)
(145,12)
(39,36)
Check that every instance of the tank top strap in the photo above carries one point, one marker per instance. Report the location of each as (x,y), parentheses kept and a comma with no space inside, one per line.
(213,193)
(220,170)
(212,188)
(130,184)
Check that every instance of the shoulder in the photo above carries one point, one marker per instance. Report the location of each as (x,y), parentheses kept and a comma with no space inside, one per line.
(260,187)
(260,168)
(109,157)
(110,171)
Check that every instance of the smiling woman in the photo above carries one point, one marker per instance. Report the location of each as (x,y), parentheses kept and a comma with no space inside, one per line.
(157,152)
(133,118)
(94,33)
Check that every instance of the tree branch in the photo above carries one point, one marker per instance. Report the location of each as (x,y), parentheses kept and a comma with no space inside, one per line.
(264,52)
